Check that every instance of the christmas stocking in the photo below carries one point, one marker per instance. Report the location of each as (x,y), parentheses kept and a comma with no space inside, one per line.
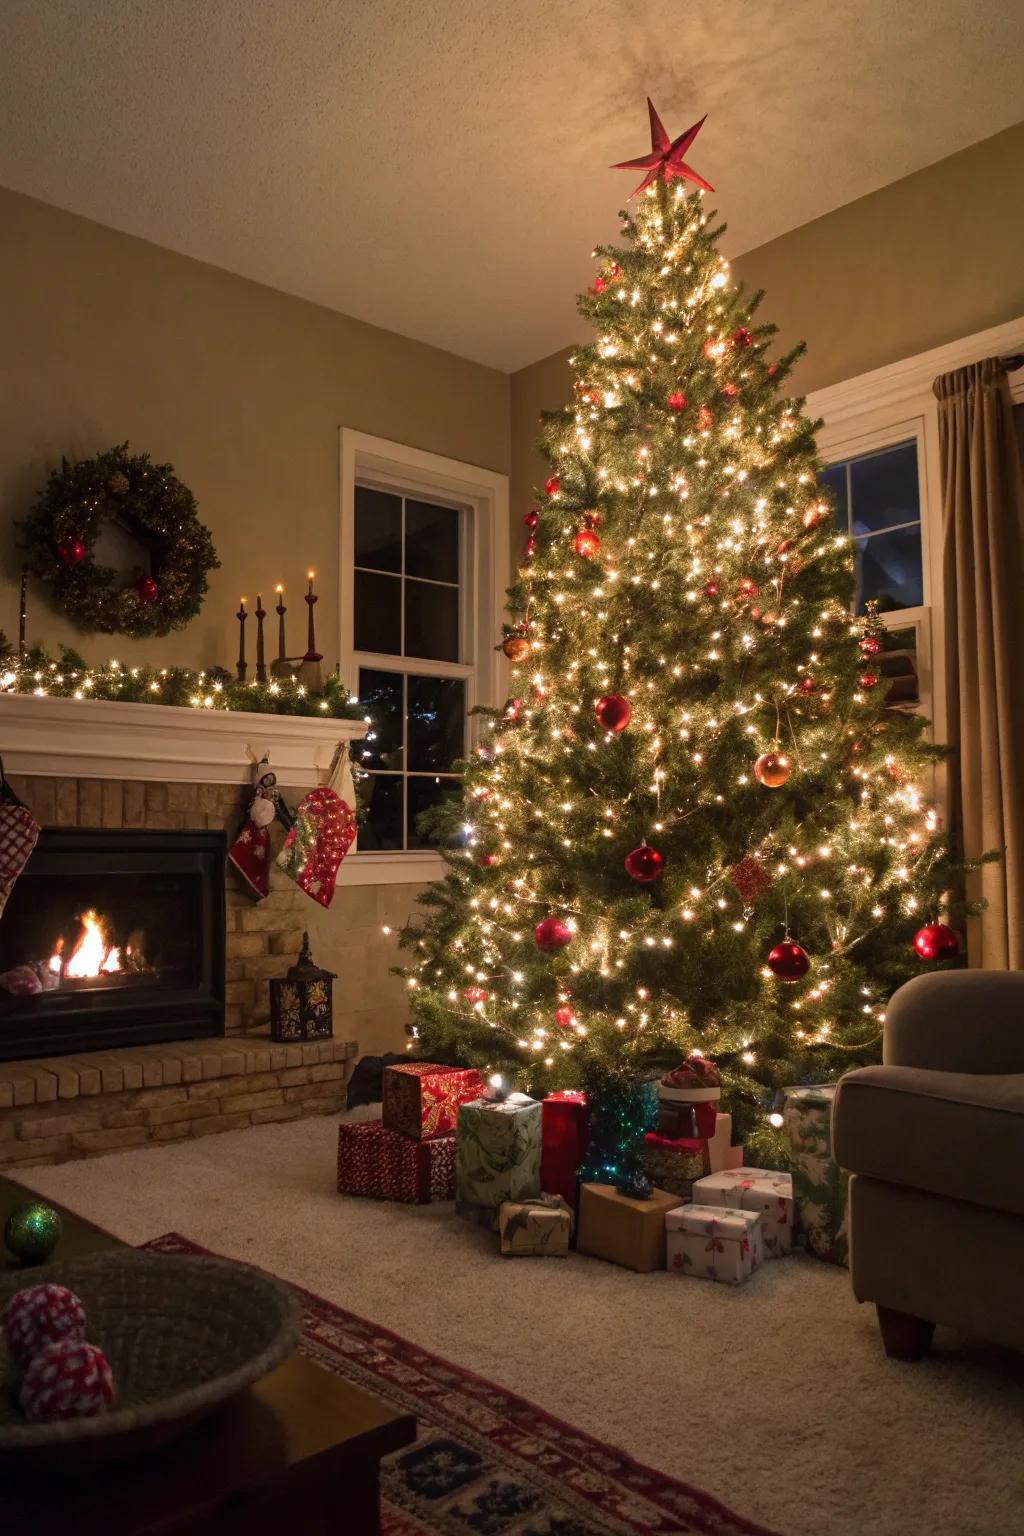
(250,851)
(324,831)
(19,833)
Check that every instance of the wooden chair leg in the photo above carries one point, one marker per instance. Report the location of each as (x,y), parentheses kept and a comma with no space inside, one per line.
(905,1337)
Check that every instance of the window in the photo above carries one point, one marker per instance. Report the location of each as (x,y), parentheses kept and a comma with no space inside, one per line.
(878,502)
(424,569)
(407,605)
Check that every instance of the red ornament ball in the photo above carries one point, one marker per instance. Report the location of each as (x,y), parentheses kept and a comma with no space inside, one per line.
(742,338)
(564,1016)
(813,515)
(530,548)
(807,684)
(788,962)
(516,647)
(41,1315)
(745,589)
(772,769)
(532,518)
(644,864)
(599,285)
(870,645)
(614,270)
(587,544)
(70,551)
(613,712)
(677,401)
(867,680)
(551,935)
(551,485)
(488,860)
(67,1380)
(705,419)
(710,589)
(476,994)
(147,589)
(936,942)
(730,391)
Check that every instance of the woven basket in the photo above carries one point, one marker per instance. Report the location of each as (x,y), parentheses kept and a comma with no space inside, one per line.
(182,1335)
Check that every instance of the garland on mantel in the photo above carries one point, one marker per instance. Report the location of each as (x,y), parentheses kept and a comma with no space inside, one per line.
(69,676)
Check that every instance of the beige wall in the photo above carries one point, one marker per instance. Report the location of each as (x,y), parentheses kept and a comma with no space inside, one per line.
(923,261)
(105,337)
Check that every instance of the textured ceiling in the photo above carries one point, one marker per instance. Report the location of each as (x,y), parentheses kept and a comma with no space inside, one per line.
(439,167)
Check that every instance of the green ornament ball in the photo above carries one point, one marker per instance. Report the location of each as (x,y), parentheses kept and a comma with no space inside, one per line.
(32,1232)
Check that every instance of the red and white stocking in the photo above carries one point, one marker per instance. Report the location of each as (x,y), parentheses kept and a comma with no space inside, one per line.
(324,831)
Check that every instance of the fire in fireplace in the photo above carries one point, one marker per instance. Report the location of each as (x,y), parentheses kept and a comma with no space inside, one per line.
(112,936)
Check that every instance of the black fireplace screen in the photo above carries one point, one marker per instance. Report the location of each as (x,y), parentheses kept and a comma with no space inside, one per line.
(111,936)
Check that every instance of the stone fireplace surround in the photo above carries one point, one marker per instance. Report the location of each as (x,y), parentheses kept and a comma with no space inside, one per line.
(57,1108)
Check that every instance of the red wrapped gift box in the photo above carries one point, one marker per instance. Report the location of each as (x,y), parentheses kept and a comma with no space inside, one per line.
(564,1137)
(382,1164)
(421,1099)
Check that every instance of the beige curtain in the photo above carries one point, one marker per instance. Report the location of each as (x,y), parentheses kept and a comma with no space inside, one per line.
(983,588)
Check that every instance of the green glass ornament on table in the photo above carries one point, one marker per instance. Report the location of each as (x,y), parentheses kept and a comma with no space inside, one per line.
(32,1232)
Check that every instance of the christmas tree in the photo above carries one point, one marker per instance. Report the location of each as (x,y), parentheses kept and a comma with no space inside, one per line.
(695,827)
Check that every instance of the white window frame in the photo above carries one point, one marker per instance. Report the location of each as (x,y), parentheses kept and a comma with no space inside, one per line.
(484,577)
(896,404)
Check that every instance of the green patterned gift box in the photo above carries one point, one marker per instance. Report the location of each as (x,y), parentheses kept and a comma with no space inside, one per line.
(497,1155)
(819,1184)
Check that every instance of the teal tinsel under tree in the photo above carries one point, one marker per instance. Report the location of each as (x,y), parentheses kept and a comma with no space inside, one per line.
(620,1114)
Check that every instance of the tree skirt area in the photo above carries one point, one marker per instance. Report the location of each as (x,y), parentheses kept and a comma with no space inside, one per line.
(774,1398)
(485,1460)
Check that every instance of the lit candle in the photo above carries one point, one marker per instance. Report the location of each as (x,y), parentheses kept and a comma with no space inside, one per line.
(241,616)
(312,654)
(281,610)
(261,665)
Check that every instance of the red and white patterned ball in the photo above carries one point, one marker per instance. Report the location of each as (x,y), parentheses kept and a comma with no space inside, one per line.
(67,1380)
(41,1315)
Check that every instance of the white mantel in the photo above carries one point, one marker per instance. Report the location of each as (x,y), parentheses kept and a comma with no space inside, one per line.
(94,738)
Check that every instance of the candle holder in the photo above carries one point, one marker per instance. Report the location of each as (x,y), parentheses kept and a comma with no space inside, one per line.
(281,666)
(309,670)
(241,616)
(261,664)
(23,610)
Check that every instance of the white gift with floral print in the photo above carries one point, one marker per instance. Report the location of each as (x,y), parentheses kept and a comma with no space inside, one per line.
(713,1243)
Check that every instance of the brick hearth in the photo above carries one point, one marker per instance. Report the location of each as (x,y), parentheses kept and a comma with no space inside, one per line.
(67,1107)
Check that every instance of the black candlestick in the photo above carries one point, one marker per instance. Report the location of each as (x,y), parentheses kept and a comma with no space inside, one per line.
(281,610)
(261,665)
(241,616)
(312,654)
(23,610)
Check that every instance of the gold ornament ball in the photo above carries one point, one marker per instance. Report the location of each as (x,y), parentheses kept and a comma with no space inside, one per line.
(32,1232)
(772,769)
(516,647)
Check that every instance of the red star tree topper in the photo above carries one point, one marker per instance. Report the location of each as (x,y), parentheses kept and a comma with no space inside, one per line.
(666,156)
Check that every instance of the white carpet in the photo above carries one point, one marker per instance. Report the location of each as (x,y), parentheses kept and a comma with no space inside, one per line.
(776,1397)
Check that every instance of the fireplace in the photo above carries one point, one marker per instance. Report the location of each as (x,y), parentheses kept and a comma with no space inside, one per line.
(111,937)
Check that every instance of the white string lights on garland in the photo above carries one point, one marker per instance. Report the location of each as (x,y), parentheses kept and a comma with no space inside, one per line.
(689,697)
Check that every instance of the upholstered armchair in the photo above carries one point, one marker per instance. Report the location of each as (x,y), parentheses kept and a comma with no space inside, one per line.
(934,1140)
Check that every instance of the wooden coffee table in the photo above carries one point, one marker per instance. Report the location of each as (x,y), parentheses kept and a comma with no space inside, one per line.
(297,1453)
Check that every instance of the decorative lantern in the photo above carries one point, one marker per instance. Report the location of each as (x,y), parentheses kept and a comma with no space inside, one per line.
(300,1003)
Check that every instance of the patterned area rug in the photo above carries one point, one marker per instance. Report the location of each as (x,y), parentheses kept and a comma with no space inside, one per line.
(489,1463)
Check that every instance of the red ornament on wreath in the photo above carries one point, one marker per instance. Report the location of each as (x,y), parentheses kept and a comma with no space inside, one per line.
(70,551)
(148,590)
(788,961)
(613,712)
(742,338)
(564,1016)
(551,935)
(587,544)
(936,941)
(772,769)
(677,401)
(552,485)
(644,864)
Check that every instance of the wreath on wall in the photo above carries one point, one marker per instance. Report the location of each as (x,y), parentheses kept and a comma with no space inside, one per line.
(149,504)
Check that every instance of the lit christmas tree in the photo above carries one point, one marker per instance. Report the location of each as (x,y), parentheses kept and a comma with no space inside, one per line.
(695,827)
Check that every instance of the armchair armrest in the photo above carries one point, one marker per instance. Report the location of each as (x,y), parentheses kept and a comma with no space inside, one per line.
(957,1021)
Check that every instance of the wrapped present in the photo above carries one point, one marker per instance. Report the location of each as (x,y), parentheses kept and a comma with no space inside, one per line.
(713,1243)
(421,1099)
(688,1100)
(497,1155)
(383,1165)
(564,1139)
(754,1189)
(622,1230)
(675,1165)
(720,1146)
(541,1226)
(819,1184)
